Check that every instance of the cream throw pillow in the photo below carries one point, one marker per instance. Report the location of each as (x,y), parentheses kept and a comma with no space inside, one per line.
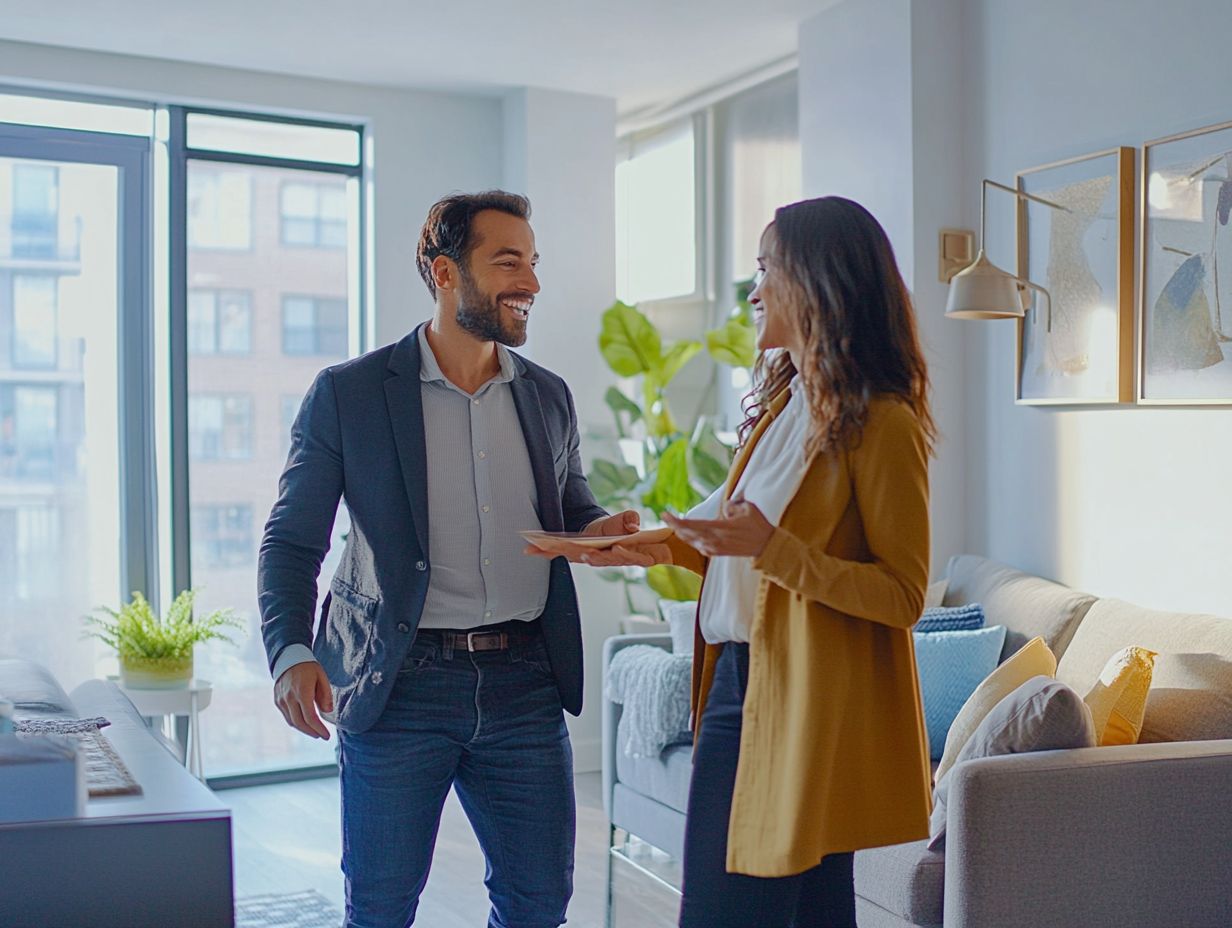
(1033,659)
(1118,699)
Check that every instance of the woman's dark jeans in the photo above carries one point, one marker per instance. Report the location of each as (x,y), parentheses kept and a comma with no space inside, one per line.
(823,897)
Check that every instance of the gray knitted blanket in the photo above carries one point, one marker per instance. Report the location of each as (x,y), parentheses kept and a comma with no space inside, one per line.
(653,686)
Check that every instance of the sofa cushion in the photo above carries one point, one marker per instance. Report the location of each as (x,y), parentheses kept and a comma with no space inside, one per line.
(1118,699)
(1031,660)
(665,778)
(950,619)
(33,691)
(906,880)
(1040,715)
(951,665)
(1191,689)
(1028,606)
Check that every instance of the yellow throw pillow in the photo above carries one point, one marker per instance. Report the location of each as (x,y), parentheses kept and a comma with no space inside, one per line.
(1033,659)
(1118,699)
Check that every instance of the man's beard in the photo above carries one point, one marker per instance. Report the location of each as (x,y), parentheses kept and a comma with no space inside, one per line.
(481,316)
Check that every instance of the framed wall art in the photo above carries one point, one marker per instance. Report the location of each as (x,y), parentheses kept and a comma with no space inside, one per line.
(1186,251)
(1080,248)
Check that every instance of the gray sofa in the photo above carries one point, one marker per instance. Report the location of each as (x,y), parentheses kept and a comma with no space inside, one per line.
(1133,837)
(154,860)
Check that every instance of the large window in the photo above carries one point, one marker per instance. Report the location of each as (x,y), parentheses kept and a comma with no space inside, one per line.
(69,212)
(150,273)
(261,323)
(657,220)
(314,326)
(692,199)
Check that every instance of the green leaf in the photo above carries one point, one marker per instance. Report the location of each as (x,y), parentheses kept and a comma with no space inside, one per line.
(672,489)
(709,471)
(611,481)
(676,357)
(734,343)
(672,582)
(629,342)
(617,402)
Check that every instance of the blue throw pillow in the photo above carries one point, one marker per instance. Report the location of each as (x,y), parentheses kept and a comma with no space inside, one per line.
(952,665)
(951,618)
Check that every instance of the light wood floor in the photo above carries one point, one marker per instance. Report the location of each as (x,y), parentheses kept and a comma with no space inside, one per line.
(286,838)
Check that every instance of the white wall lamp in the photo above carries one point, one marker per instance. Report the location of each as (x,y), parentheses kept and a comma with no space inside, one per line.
(984,291)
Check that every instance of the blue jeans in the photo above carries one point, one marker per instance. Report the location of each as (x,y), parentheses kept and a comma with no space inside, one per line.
(822,897)
(489,724)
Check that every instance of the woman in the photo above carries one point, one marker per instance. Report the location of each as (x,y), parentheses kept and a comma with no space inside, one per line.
(811,742)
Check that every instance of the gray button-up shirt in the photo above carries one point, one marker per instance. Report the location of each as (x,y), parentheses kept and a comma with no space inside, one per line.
(481,493)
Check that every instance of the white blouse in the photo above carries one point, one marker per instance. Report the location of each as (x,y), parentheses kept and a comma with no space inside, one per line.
(770,481)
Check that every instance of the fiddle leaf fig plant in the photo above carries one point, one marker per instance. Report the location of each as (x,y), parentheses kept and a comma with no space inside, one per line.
(667,465)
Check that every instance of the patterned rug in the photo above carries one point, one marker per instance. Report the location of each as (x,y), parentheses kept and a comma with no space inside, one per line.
(307,909)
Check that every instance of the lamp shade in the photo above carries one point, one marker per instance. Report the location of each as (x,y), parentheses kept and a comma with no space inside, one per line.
(984,291)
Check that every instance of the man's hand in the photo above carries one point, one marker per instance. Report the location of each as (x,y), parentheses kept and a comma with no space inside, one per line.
(623,523)
(299,691)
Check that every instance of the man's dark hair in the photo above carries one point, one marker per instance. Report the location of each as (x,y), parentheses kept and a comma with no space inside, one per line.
(448,229)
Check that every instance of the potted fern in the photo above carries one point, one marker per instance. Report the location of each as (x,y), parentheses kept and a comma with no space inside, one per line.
(157,653)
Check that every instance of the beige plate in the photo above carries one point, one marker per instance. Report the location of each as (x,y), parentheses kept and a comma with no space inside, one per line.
(564,541)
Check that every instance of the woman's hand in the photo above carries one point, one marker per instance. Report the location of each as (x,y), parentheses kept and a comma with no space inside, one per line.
(742,531)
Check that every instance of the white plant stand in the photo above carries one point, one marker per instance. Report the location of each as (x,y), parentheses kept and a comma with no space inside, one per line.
(186,701)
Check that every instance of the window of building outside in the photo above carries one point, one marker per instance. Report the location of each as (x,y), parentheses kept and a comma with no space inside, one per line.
(220,209)
(34,321)
(222,536)
(314,214)
(220,427)
(35,216)
(313,325)
(219,322)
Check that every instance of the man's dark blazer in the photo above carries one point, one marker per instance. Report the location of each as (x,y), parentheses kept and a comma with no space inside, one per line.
(359,436)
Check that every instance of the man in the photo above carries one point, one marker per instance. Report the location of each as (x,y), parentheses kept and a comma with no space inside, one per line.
(443,654)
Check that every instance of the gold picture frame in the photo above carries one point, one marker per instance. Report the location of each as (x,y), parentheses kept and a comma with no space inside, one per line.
(1185,254)
(1078,351)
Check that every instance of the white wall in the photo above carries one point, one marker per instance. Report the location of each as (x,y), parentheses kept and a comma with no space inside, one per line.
(427,144)
(879,112)
(560,151)
(1133,502)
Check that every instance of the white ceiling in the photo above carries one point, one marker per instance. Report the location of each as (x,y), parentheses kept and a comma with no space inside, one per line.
(642,52)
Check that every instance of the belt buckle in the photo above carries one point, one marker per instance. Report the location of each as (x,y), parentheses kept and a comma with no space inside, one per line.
(470,640)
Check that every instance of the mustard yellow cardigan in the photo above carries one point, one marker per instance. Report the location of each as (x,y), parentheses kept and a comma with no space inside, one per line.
(833,752)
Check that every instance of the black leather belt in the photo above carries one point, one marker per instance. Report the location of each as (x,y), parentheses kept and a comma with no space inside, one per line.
(487,638)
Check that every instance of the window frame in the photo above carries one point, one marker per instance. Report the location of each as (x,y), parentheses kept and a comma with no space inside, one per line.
(180,154)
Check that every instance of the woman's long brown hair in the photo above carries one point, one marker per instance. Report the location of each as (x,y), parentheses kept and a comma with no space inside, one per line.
(842,284)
